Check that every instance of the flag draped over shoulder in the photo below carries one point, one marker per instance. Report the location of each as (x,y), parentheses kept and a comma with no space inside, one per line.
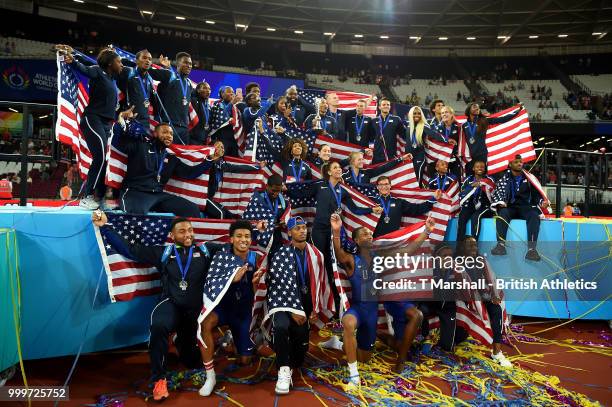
(282,287)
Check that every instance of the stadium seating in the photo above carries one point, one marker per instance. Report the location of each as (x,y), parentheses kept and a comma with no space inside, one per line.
(233,69)
(596,84)
(447,93)
(332,82)
(26,48)
(524,95)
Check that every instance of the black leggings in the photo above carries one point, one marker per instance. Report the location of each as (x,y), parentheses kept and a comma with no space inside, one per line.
(166,318)
(321,238)
(141,203)
(96,131)
(290,340)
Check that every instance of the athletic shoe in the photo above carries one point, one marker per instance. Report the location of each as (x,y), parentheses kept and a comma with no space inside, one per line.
(160,390)
(353,384)
(532,254)
(332,343)
(501,359)
(89,203)
(499,250)
(208,386)
(284,381)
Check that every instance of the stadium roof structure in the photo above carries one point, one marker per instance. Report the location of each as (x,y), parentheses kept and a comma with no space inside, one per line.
(410,23)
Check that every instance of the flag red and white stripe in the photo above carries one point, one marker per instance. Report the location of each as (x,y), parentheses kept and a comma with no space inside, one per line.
(348,100)
(340,149)
(506,140)
(438,150)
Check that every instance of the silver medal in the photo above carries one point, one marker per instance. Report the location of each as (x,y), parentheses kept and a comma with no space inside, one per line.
(358,138)
(184,101)
(387,219)
(472,140)
(338,211)
(183,285)
(146,103)
(206,127)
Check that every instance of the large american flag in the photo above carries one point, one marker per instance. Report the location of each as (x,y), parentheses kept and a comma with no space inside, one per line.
(347,100)
(505,140)
(127,278)
(72,98)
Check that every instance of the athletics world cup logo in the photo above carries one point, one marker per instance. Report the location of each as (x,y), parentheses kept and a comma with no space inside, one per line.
(16,78)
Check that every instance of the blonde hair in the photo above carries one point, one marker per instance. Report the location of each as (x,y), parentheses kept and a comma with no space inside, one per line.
(353,155)
(449,108)
(419,126)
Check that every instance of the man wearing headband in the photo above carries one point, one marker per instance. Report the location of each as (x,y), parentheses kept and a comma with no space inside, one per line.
(297,291)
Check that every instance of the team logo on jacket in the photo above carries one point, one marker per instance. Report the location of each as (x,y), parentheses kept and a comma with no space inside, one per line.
(16,78)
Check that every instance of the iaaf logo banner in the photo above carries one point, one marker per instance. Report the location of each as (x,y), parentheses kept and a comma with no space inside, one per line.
(16,78)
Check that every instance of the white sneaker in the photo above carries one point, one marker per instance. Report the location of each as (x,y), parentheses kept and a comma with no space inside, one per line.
(332,343)
(208,386)
(284,382)
(353,384)
(89,203)
(501,359)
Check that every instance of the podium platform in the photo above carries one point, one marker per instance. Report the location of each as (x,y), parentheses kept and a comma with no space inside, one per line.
(59,268)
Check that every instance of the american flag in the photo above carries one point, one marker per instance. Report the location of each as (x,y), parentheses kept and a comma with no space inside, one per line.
(438,150)
(192,189)
(340,150)
(393,241)
(401,176)
(474,317)
(72,98)
(127,278)
(305,207)
(347,100)
(227,121)
(236,188)
(263,147)
(506,140)
(501,191)
(258,209)
(221,272)
(487,185)
(282,288)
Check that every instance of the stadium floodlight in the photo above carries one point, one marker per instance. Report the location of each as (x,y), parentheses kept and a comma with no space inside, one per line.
(562,35)
(78,1)
(271,29)
(442,38)
(384,37)
(298,32)
(180,18)
(358,35)
(146,12)
(112,7)
(533,37)
(470,38)
(211,22)
(502,37)
(241,26)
